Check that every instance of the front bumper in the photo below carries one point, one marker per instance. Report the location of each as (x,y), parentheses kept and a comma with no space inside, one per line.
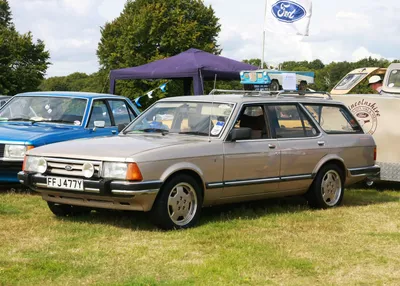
(9,171)
(111,194)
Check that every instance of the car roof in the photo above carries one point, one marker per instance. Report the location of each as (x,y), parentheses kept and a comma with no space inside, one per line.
(86,95)
(241,98)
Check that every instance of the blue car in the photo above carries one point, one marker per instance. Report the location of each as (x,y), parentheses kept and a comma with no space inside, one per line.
(30,120)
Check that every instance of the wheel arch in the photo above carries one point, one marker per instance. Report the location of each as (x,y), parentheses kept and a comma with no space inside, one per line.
(331,159)
(185,168)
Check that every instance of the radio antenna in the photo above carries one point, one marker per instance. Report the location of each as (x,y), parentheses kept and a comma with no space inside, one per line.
(212,110)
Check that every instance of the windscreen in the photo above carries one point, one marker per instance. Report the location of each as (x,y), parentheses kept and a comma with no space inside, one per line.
(191,118)
(46,109)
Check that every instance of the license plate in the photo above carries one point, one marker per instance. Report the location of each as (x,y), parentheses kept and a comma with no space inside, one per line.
(65,183)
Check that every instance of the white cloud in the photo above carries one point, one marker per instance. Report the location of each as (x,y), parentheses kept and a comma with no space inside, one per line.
(79,6)
(362,53)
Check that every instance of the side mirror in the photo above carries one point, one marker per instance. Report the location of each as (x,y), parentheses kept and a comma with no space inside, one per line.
(121,127)
(99,124)
(243,133)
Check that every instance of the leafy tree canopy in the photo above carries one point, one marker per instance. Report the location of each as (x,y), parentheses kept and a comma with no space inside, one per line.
(148,30)
(23,63)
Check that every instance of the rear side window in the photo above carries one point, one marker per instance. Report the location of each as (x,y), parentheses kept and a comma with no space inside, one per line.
(334,119)
(288,121)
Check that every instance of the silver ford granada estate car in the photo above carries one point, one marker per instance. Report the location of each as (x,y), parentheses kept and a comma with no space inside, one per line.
(184,153)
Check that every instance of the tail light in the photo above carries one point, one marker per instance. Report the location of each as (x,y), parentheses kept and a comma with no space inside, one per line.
(375,154)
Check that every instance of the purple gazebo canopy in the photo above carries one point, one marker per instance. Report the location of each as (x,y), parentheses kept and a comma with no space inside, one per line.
(192,64)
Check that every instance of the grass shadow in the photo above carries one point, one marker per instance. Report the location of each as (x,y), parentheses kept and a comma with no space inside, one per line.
(134,220)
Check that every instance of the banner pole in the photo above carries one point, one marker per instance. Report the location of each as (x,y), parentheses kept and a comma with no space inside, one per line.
(263,40)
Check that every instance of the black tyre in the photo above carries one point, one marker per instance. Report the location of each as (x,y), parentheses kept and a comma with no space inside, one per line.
(62,210)
(274,86)
(327,190)
(179,203)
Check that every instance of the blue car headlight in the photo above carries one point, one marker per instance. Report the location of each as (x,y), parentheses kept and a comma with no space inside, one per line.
(15,151)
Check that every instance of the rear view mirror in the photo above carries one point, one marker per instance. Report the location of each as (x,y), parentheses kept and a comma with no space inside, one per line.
(121,127)
(243,133)
(99,124)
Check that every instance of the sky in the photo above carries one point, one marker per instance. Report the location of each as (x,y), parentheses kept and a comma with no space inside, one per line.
(340,30)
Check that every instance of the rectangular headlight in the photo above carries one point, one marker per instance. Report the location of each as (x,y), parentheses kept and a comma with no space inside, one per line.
(31,164)
(122,171)
(16,151)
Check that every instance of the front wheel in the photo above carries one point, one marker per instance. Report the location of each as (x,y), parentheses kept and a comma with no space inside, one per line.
(62,210)
(274,86)
(327,190)
(179,204)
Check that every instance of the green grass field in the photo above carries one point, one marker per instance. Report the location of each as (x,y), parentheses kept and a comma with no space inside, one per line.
(274,242)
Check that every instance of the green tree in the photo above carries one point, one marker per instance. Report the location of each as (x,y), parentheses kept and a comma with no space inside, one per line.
(96,82)
(23,63)
(149,30)
(5,14)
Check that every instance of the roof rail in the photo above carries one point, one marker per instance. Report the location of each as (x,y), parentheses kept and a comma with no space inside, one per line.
(280,93)
(244,92)
(303,93)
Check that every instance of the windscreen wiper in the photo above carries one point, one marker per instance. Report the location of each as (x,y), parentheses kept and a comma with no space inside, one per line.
(194,133)
(149,130)
(20,119)
(52,121)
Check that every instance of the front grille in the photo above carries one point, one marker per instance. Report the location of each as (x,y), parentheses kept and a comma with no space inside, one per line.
(70,167)
(2,146)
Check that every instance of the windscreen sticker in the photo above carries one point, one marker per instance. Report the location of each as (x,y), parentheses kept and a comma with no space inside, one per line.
(217,128)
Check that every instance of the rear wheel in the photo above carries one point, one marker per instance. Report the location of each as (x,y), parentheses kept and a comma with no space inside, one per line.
(179,204)
(62,210)
(327,190)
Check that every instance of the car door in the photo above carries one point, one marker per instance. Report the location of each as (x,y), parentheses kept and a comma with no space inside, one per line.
(301,144)
(251,167)
(101,111)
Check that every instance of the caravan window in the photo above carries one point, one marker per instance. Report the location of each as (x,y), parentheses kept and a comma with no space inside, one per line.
(394,79)
(350,81)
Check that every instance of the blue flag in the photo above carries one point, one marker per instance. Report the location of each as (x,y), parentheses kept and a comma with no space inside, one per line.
(163,87)
(137,101)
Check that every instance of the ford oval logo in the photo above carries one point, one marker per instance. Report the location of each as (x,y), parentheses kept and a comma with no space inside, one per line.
(288,11)
(68,168)
(362,115)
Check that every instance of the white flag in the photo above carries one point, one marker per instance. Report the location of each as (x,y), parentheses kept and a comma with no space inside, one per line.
(288,16)
(150,93)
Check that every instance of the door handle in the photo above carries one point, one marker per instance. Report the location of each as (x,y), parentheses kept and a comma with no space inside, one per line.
(321,143)
(271,146)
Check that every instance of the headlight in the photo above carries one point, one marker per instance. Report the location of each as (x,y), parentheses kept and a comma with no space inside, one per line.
(122,171)
(88,170)
(16,151)
(35,164)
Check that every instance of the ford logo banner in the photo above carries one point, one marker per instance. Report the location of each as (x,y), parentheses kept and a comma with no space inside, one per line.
(288,11)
